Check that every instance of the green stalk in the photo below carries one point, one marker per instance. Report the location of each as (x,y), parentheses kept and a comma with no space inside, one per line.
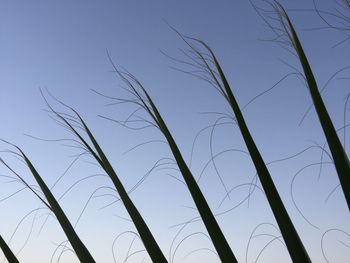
(219,241)
(11,258)
(81,251)
(146,236)
(341,160)
(295,246)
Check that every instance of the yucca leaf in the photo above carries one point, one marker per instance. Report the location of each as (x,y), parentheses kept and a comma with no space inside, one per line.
(81,251)
(11,258)
(341,160)
(141,226)
(146,236)
(219,241)
(295,246)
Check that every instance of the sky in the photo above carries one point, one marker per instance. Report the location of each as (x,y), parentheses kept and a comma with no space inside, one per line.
(61,47)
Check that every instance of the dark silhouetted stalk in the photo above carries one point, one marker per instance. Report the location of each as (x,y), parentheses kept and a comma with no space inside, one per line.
(341,160)
(11,258)
(81,251)
(219,241)
(146,236)
(295,246)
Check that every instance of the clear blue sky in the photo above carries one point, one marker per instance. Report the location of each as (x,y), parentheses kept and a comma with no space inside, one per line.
(61,46)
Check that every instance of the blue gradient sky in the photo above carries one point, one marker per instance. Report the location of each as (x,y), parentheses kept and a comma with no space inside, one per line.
(61,46)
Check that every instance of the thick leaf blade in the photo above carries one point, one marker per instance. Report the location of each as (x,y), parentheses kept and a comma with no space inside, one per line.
(294,244)
(146,235)
(219,241)
(80,249)
(10,256)
(341,160)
